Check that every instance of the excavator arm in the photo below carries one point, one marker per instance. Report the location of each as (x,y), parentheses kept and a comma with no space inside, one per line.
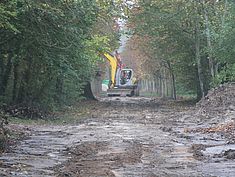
(121,79)
(113,63)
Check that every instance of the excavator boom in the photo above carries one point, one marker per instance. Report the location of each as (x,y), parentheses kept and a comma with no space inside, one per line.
(113,64)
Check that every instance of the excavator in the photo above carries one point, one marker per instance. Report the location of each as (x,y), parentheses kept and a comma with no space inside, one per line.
(122,80)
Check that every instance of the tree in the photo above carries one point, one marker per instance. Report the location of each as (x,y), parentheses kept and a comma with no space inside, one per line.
(184,34)
(43,56)
(50,49)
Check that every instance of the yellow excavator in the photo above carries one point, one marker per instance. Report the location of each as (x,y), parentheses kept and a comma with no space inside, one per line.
(122,80)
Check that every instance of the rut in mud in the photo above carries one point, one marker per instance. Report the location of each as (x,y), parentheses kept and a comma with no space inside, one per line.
(127,137)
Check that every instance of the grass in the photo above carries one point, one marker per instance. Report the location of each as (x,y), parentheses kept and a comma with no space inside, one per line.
(179,95)
(26,121)
(68,115)
(149,94)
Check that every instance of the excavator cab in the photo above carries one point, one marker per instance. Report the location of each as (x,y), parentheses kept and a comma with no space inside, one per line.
(126,77)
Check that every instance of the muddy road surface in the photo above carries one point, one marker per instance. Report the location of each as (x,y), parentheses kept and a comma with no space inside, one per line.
(129,137)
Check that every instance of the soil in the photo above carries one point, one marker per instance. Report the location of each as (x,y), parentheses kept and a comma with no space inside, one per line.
(133,137)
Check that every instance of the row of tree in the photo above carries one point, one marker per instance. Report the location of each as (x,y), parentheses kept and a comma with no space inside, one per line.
(193,40)
(48,48)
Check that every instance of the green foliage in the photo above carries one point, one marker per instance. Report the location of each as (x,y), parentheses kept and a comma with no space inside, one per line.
(6,15)
(49,50)
(227,74)
(171,29)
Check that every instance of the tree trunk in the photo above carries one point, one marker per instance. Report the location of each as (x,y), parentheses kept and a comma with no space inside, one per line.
(160,81)
(209,45)
(15,82)
(1,67)
(6,74)
(166,86)
(163,83)
(88,92)
(172,80)
(24,89)
(28,75)
(173,85)
(221,32)
(198,57)
(59,85)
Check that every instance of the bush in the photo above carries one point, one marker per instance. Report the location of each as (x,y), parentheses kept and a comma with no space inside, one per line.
(224,76)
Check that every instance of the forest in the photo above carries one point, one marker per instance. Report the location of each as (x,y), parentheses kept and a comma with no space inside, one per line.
(49,50)
(175,118)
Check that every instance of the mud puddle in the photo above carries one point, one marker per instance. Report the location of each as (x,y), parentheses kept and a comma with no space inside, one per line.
(211,146)
(36,155)
(126,149)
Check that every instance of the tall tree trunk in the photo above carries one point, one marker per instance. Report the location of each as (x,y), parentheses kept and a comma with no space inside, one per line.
(166,87)
(198,57)
(161,85)
(15,82)
(209,45)
(6,74)
(28,75)
(173,85)
(222,31)
(224,14)
(1,67)
(24,90)
(172,80)
(59,85)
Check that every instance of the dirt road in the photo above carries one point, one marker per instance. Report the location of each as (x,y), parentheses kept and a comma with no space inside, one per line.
(128,137)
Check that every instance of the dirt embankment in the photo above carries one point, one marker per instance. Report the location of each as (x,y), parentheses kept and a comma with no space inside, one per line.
(216,113)
(218,101)
(218,107)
